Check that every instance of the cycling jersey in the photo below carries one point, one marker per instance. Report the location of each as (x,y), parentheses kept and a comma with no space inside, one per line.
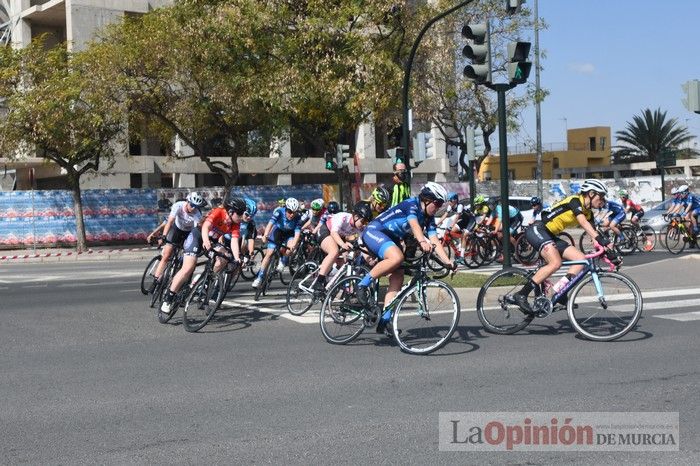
(616,211)
(394,221)
(222,224)
(563,214)
(280,221)
(466,220)
(631,205)
(458,209)
(315,219)
(248,230)
(692,200)
(183,220)
(512,212)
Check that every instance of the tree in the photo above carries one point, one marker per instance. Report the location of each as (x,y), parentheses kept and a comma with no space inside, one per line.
(649,135)
(443,97)
(54,111)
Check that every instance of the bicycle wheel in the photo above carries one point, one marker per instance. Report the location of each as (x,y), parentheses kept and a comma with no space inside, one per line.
(585,242)
(426,318)
(524,252)
(646,238)
(494,310)
(300,294)
(162,287)
(627,240)
(250,271)
(436,266)
(567,237)
(674,240)
(147,278)
(202,301)
(609,317)
(341,314)
(472,256)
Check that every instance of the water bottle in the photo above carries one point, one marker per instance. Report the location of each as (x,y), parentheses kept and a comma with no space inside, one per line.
(558,286)
(333,271)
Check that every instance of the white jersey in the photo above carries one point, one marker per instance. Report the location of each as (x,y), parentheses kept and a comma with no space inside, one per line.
(342,224)
(183,220)
(456,210)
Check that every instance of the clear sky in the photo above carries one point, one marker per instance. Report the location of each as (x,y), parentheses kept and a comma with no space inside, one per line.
(608,60)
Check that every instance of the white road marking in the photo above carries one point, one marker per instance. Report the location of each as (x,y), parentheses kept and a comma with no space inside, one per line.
(682,317)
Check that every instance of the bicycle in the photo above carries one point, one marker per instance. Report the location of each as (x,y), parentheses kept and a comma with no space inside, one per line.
(527,255)
(416,328)
(271,272)
(301,295)
(593,292)
(625,243)
(645,236)
(206,293)
(148,276)
(677,235)
(171,268)
(249,270)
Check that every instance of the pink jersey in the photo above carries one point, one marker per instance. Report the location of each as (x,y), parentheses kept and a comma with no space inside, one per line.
(342,223)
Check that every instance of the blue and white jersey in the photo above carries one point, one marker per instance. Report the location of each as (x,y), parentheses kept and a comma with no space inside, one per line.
(614,208)
(245,227)
(512,212)
(691,200)
(280,221)
(394,221)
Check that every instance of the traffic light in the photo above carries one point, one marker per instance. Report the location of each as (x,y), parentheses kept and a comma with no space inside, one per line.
(330,163)
(692,95)
(518,64)
(342,154)
(513,6)
(478,51)
(423,146)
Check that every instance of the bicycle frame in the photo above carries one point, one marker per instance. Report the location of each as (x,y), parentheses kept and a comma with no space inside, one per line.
(589,267)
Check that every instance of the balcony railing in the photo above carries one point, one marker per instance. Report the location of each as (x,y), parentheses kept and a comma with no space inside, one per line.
(550,147)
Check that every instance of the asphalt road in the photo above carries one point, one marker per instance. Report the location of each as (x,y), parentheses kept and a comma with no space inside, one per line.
(89,376)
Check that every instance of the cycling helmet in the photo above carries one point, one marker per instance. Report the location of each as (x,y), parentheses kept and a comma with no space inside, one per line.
(236,204)
(453,197)
(674,191)
(195,199)
(317,204)
(682,189)
(381,195)
(363,210)
(535,201)
(623,193)
(333,207)
(292,204)
(433,192)
(594,185)
(251,206)
(479,199)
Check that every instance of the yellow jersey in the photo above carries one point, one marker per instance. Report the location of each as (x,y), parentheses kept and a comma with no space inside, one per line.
(563,214)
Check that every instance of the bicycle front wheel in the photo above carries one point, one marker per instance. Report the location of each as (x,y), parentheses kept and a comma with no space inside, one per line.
(202,301)
(606,310)
(646,238)
(342,314)
(426,318)
(300,295)
(675,240)
(497,313)
(250,271)
(148,275)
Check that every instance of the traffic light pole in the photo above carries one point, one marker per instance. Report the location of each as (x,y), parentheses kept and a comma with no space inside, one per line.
(503,155)
(407,81)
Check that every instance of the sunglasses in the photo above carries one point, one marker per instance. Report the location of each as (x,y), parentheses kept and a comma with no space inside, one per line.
(238,212)
(438,203)
(194,206)
(246,214)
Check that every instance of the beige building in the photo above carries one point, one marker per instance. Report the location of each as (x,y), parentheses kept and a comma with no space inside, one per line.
(585,148)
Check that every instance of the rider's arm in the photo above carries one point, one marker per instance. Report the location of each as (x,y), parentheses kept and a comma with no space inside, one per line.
(235,248)
(205,234)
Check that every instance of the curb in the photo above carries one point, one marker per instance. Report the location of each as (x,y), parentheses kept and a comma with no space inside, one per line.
(99,254)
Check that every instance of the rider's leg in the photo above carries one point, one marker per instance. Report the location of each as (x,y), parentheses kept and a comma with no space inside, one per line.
(330,247)
(167,252)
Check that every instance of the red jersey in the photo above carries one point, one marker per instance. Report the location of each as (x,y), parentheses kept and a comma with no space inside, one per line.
(633,206)
(222,224)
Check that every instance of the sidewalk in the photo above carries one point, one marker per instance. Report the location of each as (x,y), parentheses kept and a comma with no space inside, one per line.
(97,253)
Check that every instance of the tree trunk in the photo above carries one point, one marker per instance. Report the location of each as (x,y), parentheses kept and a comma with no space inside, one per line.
(74,182)
(233,175)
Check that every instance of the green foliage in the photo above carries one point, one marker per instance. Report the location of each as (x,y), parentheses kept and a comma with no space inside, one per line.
(650,134)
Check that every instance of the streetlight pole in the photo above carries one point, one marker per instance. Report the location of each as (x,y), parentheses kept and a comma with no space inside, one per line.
(538,111)
(407,81)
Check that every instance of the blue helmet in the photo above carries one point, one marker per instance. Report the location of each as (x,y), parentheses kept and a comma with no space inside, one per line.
(251,206)
(452,197)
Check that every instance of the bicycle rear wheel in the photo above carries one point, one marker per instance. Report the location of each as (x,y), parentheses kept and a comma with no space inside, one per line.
(675,242)
(300,295)
(342,314)
(627,240)
(495,311)
(202,301)
(585,243)
(250,271)
(425,322)
(608,317)
(524,252)
(567,237)
(148,277)
(646,238)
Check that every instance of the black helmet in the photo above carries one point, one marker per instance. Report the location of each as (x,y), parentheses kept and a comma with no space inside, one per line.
(363,210)
(535,201)
(236,204)
(333,207)
(381,195)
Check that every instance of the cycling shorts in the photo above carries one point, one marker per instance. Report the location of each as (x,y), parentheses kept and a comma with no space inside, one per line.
(177,236)
(323,233)
(466,224)
(193,243)
(638,215)
(278,238)
(377,242)
(539,236)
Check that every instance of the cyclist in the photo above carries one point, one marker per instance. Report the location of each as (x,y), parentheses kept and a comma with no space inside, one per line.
(183,218)
(572,211)
(676,204)
(691,202)
(332,209)
(631,206)
(314,219)
(616,214)
(219,222)
(248,229)
(453,208)
(537,210)
(284,228)
(334,234)
(466,221)
(482,208)
(384,234)
(379,200)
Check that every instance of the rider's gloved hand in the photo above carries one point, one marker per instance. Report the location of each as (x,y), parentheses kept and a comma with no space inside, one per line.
(614,258)
(602,240)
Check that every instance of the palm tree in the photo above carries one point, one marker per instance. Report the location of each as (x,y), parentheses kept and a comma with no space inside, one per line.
(649,135)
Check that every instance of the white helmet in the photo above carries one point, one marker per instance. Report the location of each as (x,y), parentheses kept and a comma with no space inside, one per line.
(683,188)
(434,192)
(291,204)
(674,190)
(195,199)
(594,185)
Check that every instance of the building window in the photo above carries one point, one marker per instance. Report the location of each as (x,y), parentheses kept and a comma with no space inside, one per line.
(555,163)
(166,180)
(602,143)
(591,143)
(487,176)
(135,180)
